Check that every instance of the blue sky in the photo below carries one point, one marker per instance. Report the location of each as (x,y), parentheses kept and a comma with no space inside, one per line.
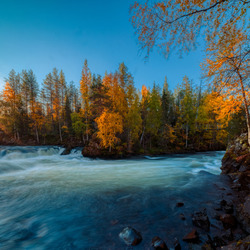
(41,35)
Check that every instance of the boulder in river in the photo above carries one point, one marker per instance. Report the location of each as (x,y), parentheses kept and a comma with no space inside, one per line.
(159,244)
(177,245)
(228,221)
(66,151)
(192,236)
(130,236)
(227,206)
(179,204)
(182,217)
(93,149)
(200,219)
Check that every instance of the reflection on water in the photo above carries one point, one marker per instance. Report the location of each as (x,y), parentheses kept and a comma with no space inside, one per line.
(49,201)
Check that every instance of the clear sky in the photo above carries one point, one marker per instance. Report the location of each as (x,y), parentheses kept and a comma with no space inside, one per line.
(43,34)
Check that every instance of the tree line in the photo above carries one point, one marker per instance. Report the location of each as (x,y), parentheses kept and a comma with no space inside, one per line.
(111,114)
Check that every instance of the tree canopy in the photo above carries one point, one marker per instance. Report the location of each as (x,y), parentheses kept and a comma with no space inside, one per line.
(177,24)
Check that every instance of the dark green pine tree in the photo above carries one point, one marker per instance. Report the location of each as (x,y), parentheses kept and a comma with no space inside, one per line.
(98,97)
(154,117)
(165,100)
(48,91)
(74,97)
(169,115)
(67,114)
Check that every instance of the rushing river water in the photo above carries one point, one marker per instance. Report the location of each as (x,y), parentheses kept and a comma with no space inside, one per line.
(49,201)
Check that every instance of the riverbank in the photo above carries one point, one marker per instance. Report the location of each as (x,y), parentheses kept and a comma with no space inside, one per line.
(92,149)
(236,165)
(105,155)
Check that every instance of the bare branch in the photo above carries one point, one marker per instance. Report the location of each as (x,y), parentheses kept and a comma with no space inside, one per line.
(194,12)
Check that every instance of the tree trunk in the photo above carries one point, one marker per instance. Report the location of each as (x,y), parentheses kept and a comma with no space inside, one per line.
(37,136)
(60,131)
(142,135)
(14,131)
(186,136)
(246,106)
(248,131)
(86,130)
(129,148)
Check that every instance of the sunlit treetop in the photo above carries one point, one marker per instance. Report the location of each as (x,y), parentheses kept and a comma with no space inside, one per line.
(170,24)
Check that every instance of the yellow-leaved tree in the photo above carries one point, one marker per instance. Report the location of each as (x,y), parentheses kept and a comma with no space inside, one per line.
(9,115)
(109,125)
(228,67)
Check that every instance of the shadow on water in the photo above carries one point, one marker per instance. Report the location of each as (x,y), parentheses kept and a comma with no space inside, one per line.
(72,203)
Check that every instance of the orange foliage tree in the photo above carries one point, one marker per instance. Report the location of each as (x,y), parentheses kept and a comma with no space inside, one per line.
(115,93)
(109,125)
(228,66)
(9,112)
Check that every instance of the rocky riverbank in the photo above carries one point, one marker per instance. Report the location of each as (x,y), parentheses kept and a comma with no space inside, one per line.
(236,164)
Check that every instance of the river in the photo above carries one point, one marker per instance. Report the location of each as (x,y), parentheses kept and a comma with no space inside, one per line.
(50,201)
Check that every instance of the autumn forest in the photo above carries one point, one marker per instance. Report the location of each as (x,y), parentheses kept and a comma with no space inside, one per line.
(108,114)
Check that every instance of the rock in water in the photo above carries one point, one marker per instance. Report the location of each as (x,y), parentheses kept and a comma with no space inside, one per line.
(177,245)
(192,236)
(228,221)
(182,216)
(66,151)
(179,204)
(200,219)
(93,148)
(159,244)
(130,236)
(227,206)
